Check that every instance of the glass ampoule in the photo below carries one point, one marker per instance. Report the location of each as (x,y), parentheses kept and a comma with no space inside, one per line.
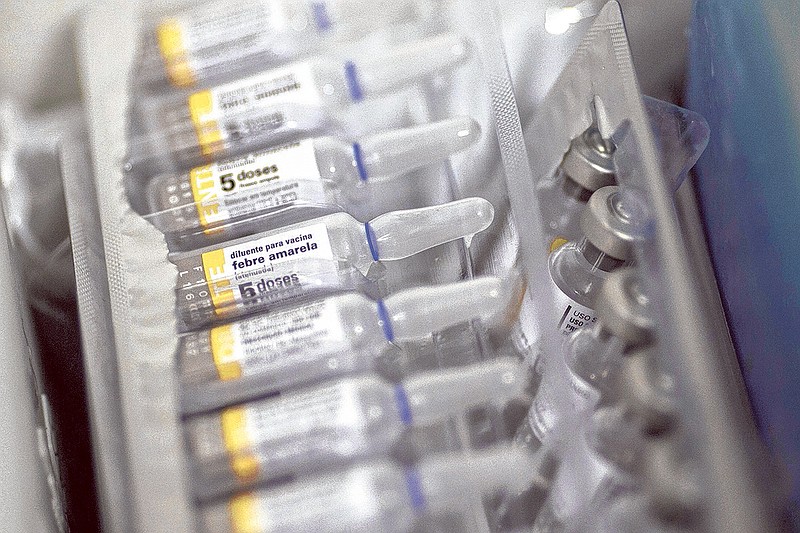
(373,497)
(251,273)
(285,104)
(323,170)
(215,39)
(330,337)
(321,426)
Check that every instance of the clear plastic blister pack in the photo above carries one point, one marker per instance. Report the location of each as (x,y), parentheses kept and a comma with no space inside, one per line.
(353,289)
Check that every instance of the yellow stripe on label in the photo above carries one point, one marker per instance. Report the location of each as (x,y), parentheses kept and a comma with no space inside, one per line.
(243,510)
(205,195)
(219,284)
(173,52)
(557,243)
(209,134)
(238,444)
(222,350)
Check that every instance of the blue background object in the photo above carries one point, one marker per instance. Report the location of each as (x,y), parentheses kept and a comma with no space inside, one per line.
(740,79)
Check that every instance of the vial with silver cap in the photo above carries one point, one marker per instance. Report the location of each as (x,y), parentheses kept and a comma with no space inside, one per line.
(588,165)
(211,40)
(593,355)
(374,497)
(610,223)
(599,464)
(310,171)
(330,252)
(326,338)
(319,427)
(282,105)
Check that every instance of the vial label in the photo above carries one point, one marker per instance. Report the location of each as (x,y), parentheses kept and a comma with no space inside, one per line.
(227,111)
(257,182)
(328,504)
(276,436)
(279,341)
(573,315)
(264,268)
(202,36)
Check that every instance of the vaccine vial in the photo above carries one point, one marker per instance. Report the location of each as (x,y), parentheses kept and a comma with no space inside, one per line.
(285,104)
(588,165)
(322,426)
(252,273)
(374,497)
(599,464)
(212,40)
(648,391)
(330,337)
(323,170)
(578,269)
(593,356)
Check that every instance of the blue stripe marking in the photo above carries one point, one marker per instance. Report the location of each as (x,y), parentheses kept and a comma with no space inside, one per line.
(358,157)
(372,242)
(321,16)
(386,324)
(415,490)
(403,407)
(351,75)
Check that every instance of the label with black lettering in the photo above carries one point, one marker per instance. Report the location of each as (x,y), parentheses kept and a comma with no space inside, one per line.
(269,266)
(280,342)
(202,36)
(246,107)
(257,182)
(573,315)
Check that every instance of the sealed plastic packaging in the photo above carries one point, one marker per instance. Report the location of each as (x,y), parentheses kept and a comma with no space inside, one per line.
(315,428)
(326,338)
(389,258)
(372,218)
(283,104)
(207,42)
(376,495)
(323,170)
(323,254)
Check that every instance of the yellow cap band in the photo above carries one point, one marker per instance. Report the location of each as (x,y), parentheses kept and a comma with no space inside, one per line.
(220,286)
(243,510)
(173,52)
(222,350)
(209,134)
(238,444)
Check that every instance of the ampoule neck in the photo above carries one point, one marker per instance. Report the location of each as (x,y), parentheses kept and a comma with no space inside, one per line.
(597,258)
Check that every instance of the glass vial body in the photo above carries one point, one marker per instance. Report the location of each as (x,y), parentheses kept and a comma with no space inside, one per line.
(578,271)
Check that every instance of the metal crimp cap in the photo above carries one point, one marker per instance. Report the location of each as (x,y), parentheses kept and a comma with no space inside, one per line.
(589,162)
(623,308)
(610,227)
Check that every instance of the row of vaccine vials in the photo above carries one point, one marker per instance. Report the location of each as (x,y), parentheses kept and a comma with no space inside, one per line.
(286,349)
(286,362)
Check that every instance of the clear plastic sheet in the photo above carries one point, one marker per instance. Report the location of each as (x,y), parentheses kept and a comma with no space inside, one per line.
(374,138)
